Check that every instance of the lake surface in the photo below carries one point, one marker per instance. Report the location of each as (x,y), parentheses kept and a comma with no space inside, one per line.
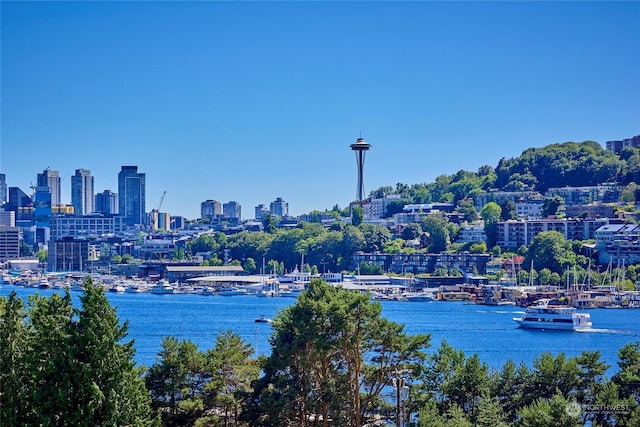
(487,330)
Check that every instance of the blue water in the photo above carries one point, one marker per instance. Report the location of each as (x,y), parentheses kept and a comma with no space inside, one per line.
(486,330)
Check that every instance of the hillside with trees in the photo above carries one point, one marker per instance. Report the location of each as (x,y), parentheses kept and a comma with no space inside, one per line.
(536,169)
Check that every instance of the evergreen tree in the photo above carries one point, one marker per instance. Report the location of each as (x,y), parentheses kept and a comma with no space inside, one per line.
(109,389)
(15,342)
(332,357)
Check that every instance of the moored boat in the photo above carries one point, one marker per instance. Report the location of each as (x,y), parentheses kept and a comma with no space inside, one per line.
(231,291)
(162,288)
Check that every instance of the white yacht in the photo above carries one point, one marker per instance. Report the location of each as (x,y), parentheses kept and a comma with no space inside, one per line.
(229,291)
(163,287)
(548,314)
(291,291)
(423,296)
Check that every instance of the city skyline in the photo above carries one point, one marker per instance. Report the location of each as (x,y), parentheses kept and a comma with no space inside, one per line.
(254,101)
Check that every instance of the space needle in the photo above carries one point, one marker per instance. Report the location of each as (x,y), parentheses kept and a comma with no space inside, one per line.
(360,147)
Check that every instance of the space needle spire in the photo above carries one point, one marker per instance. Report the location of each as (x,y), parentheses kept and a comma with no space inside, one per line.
(360,147)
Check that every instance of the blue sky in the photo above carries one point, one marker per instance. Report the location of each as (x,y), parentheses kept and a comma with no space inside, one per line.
(250,101)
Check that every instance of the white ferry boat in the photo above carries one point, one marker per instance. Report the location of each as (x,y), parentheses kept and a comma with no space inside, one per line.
(548,314)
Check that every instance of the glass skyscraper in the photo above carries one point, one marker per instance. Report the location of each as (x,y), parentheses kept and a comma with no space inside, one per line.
(82,192)
(51,179)
(132,195)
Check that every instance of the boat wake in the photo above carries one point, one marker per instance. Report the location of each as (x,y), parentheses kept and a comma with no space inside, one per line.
(610,331)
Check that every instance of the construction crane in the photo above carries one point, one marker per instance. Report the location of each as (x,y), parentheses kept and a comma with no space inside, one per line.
(161,200)
(155,213)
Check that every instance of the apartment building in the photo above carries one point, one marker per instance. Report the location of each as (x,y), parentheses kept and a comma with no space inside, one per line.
(513,234)
(85,225)
(9,243)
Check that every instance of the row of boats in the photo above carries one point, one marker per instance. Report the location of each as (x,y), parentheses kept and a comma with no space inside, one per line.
(544,313)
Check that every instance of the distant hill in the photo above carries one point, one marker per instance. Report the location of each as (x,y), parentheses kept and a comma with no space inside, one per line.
(536,169)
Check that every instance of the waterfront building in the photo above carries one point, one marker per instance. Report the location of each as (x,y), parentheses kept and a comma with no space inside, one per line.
(85,225)
(132,195)
(618,244)
(68,254)
(279,207)
(51,180)
(82,197)
(210,209)
(106,203)
(9,243)
(232,210)
(157,247)
(3,189)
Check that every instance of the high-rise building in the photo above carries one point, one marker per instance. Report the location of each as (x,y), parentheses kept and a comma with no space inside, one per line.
(3,189)
(210,209)
(17,199)
(7,218)
(82,192)
(360,147)
(9,243)
(107,202)
(232,210)
(68,254)
(261,212)
(279,207)
(42,205)
(132,195)
(51,179)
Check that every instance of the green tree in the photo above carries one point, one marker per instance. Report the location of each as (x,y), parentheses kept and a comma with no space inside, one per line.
(69,366)
(25,250)
(233,371)
(437,227)
(110,388)
(42,255)
(250,265)
(332,357)
(551,205)
(628,376)
(548,412)
(176,382)
(490,413)
(468,209)
(490,214)
(51,385)
(549,249)
(15,345)
(357,215)
(269,223)
(375,236)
